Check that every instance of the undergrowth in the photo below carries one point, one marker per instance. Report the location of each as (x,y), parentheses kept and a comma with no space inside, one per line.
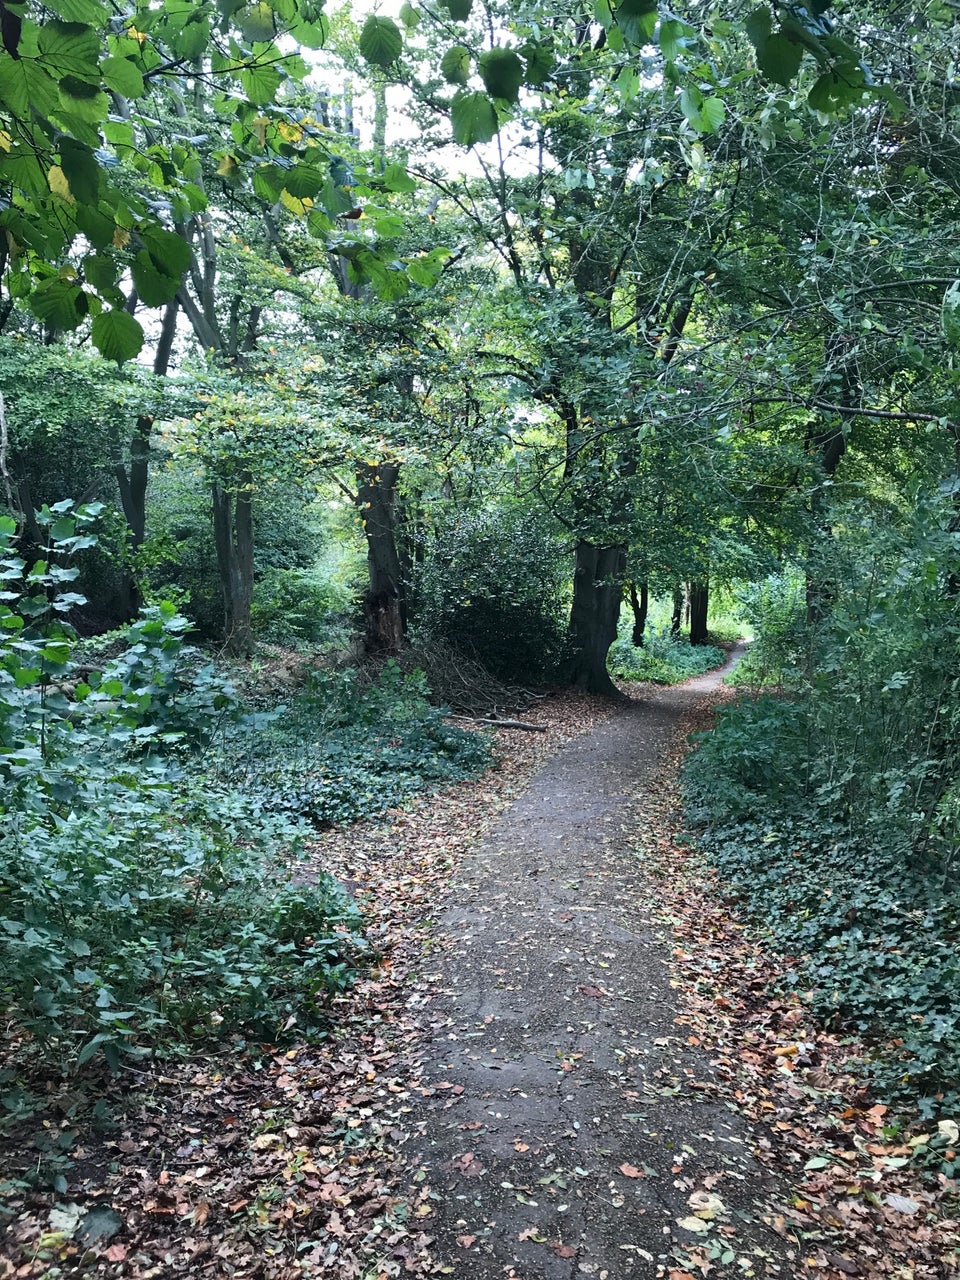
(344,749)
(150,823)
(663,659)
(832,809)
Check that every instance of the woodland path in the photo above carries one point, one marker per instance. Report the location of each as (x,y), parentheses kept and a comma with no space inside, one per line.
(568,1135)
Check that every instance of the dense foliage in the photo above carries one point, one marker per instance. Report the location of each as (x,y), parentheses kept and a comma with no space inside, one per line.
(832,808)
(148,892)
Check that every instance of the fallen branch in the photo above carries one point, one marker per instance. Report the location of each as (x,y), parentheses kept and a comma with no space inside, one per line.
(504,724)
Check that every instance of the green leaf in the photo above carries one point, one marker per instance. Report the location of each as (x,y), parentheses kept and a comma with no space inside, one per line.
(836,89)
(256,22)
(58,303)
(474,118)
(396,178)
(83,99)
(100,271)
(304,182)
(455,65)
(712,114)
(26,86)
(70,49)
(87,11)
(117,336)
(123,77)
(96,226)
(637,19)
(79,164)
(540,62)
(154,287)
(758,25)
(459,10)
(502,72)
(260,84)
(703,114)
(380,41)
(268,182)
(672,38)
(312,35)
(779,58)
(409,16)
(170,253)
(192,39)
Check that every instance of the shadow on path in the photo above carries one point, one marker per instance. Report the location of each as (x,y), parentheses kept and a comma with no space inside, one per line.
(570,1133)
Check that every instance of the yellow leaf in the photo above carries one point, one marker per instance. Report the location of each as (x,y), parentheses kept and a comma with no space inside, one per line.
(6,142)
(289,132)
(296,206)
(121,237)
(226,167)
(59,184)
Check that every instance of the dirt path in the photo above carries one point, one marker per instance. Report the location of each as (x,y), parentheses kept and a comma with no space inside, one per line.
(567,1135)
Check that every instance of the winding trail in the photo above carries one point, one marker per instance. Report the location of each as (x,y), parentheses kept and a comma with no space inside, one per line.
(570,1132)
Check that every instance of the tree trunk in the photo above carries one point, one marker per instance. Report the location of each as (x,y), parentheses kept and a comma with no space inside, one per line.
(676,617)
(133,498)
(133,482)
(699,600)
(233,535)
(597,591)
(639,606)
(383,605)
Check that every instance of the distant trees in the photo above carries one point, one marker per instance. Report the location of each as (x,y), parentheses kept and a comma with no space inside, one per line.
(682,304)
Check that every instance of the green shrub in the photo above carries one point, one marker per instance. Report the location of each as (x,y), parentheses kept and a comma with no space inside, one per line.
(346,750)
(833,811)
(493,587)
(664,659)
(775,610)
(296,606)
(139,909)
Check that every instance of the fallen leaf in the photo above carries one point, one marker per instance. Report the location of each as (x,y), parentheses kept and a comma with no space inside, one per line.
(902,1204)
(465,1242)
(563,1250)
(706,1206)
(845,1265)
(631,1171)
(696,1225)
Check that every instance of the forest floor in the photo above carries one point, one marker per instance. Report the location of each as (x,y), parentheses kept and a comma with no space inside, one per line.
(569,1059)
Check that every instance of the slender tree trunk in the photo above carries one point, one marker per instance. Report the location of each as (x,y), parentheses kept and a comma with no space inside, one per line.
(699,601)
(383,605)
(597,592)
(132,482)
(639,605)
(676,617)
(233,535)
